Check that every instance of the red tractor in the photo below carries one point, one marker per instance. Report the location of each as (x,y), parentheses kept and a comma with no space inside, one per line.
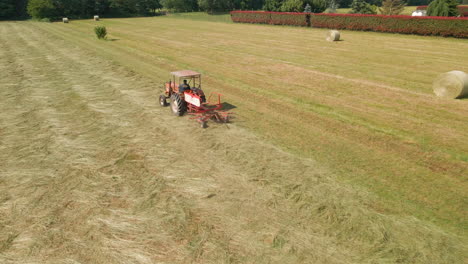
(185,94)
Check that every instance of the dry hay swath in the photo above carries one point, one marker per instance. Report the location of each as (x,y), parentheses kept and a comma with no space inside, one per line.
(96,18)
(453,84)
(65,20)
(333,35)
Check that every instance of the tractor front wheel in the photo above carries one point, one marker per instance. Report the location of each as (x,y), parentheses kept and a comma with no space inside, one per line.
(178,105)
(162,100)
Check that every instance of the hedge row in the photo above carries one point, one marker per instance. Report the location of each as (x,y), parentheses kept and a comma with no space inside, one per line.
(436,26)
(294,19)
(273,18)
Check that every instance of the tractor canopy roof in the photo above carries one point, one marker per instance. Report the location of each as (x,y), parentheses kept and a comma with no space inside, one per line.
(186,74)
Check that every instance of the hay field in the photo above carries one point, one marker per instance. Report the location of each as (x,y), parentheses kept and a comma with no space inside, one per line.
(339,153)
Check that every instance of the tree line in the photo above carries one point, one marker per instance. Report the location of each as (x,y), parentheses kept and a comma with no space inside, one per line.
(18,9)
(75,8)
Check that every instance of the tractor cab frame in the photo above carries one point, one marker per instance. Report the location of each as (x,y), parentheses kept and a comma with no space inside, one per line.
(193,79)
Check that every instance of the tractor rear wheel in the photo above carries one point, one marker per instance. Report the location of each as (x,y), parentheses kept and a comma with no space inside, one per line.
(162,100)
(178,105)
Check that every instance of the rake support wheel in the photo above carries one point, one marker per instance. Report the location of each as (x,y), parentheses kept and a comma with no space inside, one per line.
(162,101)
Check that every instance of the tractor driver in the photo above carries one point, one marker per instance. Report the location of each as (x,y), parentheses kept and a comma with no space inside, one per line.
(184,87)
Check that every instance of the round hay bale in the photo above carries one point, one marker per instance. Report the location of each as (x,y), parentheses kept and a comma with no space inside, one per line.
(96,18)
(333,35)
(65,20)
(453,84)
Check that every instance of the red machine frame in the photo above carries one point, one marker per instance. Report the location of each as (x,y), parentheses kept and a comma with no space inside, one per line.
(206,111)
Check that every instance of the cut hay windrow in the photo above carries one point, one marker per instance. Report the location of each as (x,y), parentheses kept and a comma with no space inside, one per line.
(453,84)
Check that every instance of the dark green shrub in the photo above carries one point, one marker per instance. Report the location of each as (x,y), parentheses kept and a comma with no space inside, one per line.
(180,5)
(292,6)
(101,32)
(211,6)
(272,5)
(362,7)
(41,9)
(317,6)
(442,8)
(392,7)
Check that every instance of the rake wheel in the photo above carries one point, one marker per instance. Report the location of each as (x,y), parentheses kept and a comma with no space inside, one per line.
(162,101)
